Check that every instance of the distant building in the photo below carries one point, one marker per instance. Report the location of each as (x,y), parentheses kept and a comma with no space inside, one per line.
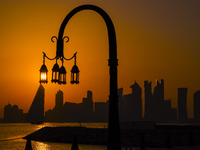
(87,108)
(148,101)
(36,111)
(130,105)
(156,108)
(158,101)
(182,104)
(12,114)
(59,99)
(72,112)
(170,114)
(49,116)
(196,97)
(101,111)
(8,113)
(58,109)
(137,98)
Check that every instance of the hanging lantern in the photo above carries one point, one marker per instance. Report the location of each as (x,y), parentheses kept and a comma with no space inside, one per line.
(62,75)
(55,73)
(43,74)
(75,75)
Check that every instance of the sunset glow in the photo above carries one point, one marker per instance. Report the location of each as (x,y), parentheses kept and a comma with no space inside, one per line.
(155,40)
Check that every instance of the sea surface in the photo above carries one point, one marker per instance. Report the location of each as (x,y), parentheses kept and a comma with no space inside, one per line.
(11,135)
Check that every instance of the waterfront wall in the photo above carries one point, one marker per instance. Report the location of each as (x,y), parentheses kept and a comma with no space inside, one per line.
(92,136)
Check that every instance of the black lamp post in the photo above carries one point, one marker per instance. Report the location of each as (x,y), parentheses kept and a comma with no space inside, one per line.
(113,122)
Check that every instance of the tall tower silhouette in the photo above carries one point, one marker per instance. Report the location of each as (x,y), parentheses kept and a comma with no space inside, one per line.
(59,99)
(87,107)
(197,106)
(158,98)
(182,104)
(148,101)
(36,111)
(136,98)
(58,109)
(131,104)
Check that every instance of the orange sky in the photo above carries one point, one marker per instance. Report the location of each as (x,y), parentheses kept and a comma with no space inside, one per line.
(155,40)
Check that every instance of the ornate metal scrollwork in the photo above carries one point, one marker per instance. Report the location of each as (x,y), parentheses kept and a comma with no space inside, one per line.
(67,38)
(53,38)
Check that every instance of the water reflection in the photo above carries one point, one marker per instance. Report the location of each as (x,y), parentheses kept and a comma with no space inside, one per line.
(40,146)
(11,136)
(39,126)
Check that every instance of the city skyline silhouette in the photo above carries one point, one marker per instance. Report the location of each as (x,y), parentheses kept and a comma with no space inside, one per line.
(144,41)
(156,40)
(156,108)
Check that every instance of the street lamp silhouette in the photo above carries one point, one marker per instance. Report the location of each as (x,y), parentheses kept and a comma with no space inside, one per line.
(59,74)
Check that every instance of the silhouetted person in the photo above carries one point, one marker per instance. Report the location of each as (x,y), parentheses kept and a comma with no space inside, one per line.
(74,144)
(28,144)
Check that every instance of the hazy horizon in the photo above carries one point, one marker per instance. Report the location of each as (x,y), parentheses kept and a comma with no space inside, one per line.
(155,40)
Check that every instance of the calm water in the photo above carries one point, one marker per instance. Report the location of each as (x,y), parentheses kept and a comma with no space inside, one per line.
(11,136)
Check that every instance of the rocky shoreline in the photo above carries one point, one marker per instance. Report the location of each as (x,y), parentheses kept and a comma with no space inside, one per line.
(158,137)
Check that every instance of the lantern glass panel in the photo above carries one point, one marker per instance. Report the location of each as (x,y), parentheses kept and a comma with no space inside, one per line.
(55,75)
(43,76)
(62,75)
(62,78)
(75,74)
(74,78)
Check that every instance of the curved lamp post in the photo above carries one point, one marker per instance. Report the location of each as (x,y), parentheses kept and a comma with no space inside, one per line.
(113,122)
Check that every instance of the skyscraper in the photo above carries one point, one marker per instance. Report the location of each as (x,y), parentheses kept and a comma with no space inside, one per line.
(13,114)
(36,111)
(137,98)
(182,104)
(58,109)
(148,101)
(7,113)
(87,107)
(59,99)
(197,106)
(132,104)
(158,101)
